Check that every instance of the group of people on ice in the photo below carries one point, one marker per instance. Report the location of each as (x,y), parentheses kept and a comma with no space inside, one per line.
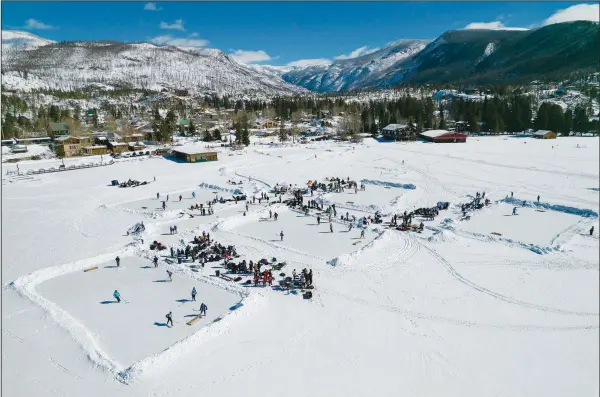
(476,204)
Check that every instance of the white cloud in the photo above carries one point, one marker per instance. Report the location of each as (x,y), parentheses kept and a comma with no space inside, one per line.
(496,25)
(364,50)
(194,34)
(578,12)
(151,7)
(177,25)
(34,24)
(179,41)
(244,56)
(304,63)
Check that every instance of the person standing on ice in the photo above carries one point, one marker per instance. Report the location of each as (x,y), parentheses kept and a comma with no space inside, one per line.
(362,233)
(538,199)
(155,260)
(281,235)
(169,318)
(167,197)
(203,309)
(164,205)
(270,214)
(318,220)
(514,211)
(170,274)
(118,260)
(592,231)
(275,215)
(117,296)
(157,196)
(330,227)
(180,197)
(193,194)
(350,227)
(194,294)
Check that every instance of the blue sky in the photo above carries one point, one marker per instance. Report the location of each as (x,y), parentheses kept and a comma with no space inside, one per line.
(278,33)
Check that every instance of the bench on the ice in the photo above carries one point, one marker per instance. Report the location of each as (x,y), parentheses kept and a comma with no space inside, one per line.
(194,319)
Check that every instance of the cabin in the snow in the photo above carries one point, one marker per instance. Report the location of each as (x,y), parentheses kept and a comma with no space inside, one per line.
(56,130)
(67,146)
(194,155)
(544,134)
(399,132)
(443,136)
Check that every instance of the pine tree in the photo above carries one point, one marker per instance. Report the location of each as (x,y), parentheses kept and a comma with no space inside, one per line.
(207,136)
(246,136)
(192,129)
(282,132)
(581,122)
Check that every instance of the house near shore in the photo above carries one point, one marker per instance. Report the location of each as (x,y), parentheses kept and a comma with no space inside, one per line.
(544,134)
(192,154)
(68,146)
(399,132)
(443,136)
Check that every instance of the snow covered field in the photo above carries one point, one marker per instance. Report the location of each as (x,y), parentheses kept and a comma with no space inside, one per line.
(455,310)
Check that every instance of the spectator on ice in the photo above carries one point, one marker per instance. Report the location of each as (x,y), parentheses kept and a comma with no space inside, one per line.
(194,294)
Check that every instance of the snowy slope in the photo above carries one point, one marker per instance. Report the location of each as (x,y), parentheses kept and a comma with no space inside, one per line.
(355,73)
(17,40)
(496,305)
(143,65)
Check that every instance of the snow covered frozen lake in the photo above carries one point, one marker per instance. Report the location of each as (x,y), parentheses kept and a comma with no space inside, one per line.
(494,305)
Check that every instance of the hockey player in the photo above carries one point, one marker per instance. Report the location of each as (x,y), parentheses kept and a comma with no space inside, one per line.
(203,309)
(194,294)
(169,318)
(118,260)
(318,220)
(155,260)
(270,214)
(117,296)
(592,231)
(281,235)
(180,197)
(362,233)
(276,215)
(514,211)
(170,274)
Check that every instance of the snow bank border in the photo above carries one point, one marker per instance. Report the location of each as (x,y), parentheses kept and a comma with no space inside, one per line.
(408,186)
(551,207)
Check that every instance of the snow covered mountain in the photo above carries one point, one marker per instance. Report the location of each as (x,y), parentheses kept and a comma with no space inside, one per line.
(463,56)
(30,62)
(354,73)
